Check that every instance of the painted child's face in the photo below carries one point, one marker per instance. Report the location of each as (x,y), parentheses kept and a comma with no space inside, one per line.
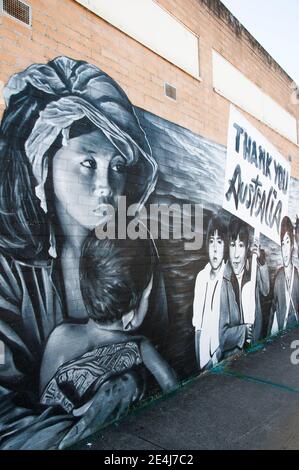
(216,250)
(286,250)
(88,173)
(237,255)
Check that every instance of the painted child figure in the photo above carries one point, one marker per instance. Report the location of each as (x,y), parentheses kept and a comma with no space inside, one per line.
(285,304)
(116,278)
(206,304)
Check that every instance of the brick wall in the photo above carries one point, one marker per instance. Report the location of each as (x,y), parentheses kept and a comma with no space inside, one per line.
(191,163)
(67,28)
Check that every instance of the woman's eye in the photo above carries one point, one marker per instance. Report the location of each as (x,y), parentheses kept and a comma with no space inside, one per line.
(89,163)
(119,167)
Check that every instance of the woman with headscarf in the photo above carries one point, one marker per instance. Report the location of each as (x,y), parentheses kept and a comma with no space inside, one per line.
(70,141)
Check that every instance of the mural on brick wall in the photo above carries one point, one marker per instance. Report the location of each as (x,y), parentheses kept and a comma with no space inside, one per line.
(104,299)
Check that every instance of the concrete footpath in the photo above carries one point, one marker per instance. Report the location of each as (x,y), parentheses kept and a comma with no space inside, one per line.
(251,403)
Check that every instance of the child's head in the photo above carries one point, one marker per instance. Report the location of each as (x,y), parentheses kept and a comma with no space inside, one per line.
(216,240)
(287,240)
(116,280)
(238,244)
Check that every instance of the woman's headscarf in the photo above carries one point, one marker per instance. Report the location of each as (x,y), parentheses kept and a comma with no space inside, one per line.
(44,100)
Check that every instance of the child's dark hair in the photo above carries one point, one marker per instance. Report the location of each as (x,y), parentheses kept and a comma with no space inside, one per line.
(287,227)
(238,228)
(113,276)
(216,222)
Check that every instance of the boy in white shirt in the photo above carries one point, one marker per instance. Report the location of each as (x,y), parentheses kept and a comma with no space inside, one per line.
(206,304)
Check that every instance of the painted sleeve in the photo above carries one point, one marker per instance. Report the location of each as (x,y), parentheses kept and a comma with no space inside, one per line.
(23,423)
(273,308)
(15,355)
(257,329)
(263,279)
(230,336)
(198,302)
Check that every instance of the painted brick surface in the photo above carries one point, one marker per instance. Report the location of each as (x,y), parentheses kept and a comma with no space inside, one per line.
(71,141)
(66,28)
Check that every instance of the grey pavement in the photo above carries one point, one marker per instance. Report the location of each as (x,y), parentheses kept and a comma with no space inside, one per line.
(251,402)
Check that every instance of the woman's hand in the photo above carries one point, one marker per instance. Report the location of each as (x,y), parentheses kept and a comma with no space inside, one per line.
(111,401)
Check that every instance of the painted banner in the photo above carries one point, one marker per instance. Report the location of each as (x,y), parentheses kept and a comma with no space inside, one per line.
(257,178)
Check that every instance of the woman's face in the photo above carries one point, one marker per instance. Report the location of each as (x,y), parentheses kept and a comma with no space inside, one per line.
(88,174)
(216,250)
(237,255)
(286,250)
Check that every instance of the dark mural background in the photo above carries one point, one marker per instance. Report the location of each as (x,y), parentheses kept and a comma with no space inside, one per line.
(102,381)
(192,168)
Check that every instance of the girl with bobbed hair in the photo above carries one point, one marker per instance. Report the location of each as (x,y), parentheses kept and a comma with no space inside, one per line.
(207,292)
(70,142)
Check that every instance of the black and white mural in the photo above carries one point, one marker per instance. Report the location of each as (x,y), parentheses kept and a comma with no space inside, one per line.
(90,325)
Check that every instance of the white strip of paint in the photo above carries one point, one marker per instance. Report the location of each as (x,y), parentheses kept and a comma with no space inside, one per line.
(152,26)
(229,82)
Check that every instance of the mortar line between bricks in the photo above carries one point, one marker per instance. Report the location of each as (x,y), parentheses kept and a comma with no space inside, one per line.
(255,379)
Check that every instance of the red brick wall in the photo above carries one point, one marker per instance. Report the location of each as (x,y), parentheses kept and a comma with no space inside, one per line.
(65,27)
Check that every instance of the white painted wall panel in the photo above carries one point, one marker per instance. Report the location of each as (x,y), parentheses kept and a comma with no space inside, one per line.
(233,85)
(152,26)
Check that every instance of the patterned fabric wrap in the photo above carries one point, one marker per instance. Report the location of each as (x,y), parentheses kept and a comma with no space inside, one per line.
(77,380)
